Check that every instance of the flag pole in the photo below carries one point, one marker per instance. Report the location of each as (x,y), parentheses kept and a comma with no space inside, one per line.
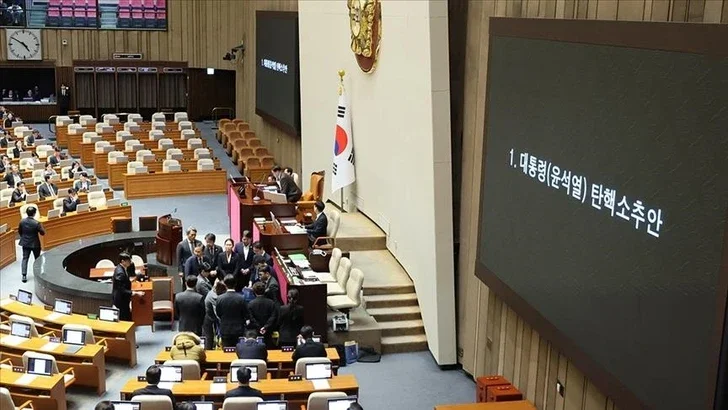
(342,73)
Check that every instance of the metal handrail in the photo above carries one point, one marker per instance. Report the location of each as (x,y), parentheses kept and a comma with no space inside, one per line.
(215,118)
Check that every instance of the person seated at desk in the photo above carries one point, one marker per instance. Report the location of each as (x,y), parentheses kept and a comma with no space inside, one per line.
(47,189)
(83,184)
(189,307)
(36,93)
(70,203)
(154,373)
(318,228)
(5,163)
(186,346)
(56,158)
(232,310)
(4,139)
(309,348)
(186,248)
(211,250)
(228,263)
(18,148)
(48,170)
(75,168)
(244,389)
(290,320)
(14,176)
(249,348)
(19,194)
(272,289)
(35,136)
(263,313)
(287,184)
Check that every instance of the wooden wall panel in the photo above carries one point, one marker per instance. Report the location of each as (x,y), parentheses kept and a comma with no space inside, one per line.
(492,339)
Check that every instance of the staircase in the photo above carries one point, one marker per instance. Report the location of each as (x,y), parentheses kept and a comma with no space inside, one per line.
(398,316)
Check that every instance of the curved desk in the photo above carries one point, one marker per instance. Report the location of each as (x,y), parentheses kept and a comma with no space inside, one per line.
(11,215)
(75,226)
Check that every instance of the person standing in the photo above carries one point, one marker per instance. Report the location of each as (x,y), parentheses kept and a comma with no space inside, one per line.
(290,320)
(211,251)
(29,230)
(245,252)
(186,248)
(263,313)
(211,322)
(121,292)
(318,228)
(64,99)
(288,186)
(232,310)
(189,307)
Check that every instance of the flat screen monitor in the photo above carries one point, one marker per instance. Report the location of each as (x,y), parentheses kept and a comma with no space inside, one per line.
(341,403)
(171,374)
(25,297)
(74,337)
(20,329)
(82,208)
(63,306)
(109,314)
(202,405)
(39,366)
(272,405)
(126,405)
(315,371)
(234,373)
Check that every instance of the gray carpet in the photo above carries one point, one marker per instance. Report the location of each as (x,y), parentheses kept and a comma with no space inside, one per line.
(411,380)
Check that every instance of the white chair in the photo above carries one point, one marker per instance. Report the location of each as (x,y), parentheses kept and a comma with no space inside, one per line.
(302,362)
(97,199)
(330,276)
(6,401)
(159,117)
(205,165)
(20,132)
(194,143)
(25,207)
(165,143)
(137,260)
(261,365)
(26,164)
(241,403)
(159,125)
(332,228)
(190,368)
(75,129)
(105,263)
(6,193)
(187,133)
(9,152)
(352,299)
(135,118)
(103,146)
(86,120)
(104,128)
(58,203)
(132,166)
(129,144)
(201,153)
(63,121)
(90,136)
(38,176)
(184,125)
(156,135)
(342,276)
(320,400)
(110,119)
(150,402)
(170,165)
(143,153)
(123,135)
(43,151)
(88,332)
(180,116)
(131,126)
(113,157)
(174,152)
(68,374)
(65,172)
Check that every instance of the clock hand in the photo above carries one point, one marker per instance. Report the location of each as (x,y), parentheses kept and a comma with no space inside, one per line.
(24,45)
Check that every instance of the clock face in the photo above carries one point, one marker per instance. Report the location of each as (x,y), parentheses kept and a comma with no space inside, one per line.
(23,44)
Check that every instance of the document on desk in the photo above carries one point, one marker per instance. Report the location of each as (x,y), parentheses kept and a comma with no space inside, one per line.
(293,229)
(288,221)
(12,340)
(53,316)
(25,379)
(320,384)
(302,264)
(50,346)
(5,301)
(218,388)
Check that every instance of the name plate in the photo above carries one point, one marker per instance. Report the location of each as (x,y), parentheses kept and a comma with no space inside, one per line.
(287,348)
(228,349)
(295,378)
(141,378)
(219,379)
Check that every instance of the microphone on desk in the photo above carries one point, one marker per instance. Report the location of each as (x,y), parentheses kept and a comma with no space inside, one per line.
(256,197)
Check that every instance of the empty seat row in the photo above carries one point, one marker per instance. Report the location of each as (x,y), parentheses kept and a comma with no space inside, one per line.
(145,155)
(169,165)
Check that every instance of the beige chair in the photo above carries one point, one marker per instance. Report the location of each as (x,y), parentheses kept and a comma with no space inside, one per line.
(156,135)
(352,299)
(241,403)
(38,176)
(332,228)
(21,132)
(159,117)
(43,151)
(63,121)
(114,157)
(190,369)
(170,165)
(103,146)
(205,165)
(25,207)
(104,128)
(150,402)
(159,125)
(97,199)
(86,120)
(65,172)
(6,401)
(180,116)
(142,154)
(342,276)
(105,263)
(68,374)
(129,145)
(74,129)
(194,143)
(90,137)
(132,126)
(260,364)
(187,133)
(320,400)
(28,321)
(135,118)
(162,289)
(58,203)
(6,193)
(165,143)
(201,152)
(131,167)
(330,276)
(88,335)
(302,362)
(137,261)
(123,136)
(174,152)
(26,164)
(111,119)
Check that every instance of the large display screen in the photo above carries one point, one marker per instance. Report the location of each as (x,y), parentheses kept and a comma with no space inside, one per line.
(277,87)
(604,203)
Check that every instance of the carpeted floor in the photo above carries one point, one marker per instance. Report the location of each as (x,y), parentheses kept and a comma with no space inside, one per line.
(407,381)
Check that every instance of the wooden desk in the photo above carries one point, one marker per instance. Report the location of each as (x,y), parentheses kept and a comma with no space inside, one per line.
(32,111)
(141,306)
(277,359)
(75,141)
(272,236)
(12,217)
(46,392)
(75,226)
(101,160)
(7,246)
(88,364)
(116,171)
(174,183)
(88,148)
(107,273)
(62,132)
(62,185)
(243,210)
(120,336)
(503,405)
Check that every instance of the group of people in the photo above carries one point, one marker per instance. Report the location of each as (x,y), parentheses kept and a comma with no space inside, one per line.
(32,94)
(7,116)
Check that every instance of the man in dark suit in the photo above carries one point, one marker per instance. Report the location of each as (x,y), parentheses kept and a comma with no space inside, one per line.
(55,159)
(29,229)
(71,201)
(232,310)
(260,257)
(154,373)
(83,184)
(318,228)
(189,307)
(195,263)
(186,248)
(64,99)
(19,194)
(287,184)
(14,176)
(211,250)
(249,348)
(263,313)
(272,289)
(308,348)
(121,292)
(245,252)
(47,189)
(244,389)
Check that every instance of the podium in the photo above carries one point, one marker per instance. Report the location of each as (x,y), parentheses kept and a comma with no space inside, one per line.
(169,234)
(142,313)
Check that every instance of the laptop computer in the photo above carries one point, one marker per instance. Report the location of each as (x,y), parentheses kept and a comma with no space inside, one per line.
(171,374)
(32,198)
(341,403)
(234,373)
(95,188)
(82,208)
(54,213)
(113,202)
(38,166)
(272,405)
(109,314)
(75,339)
(201,405)
(126,405)
(25,297)
(63,306)
(39,366)
(318,371)
(20,329)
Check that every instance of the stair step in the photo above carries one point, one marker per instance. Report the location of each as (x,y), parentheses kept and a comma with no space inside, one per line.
(392,300)
(389,314)
(388,290)
(401,344)
(402,328)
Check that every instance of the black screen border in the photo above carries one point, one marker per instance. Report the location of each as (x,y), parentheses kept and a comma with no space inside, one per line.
(678,37)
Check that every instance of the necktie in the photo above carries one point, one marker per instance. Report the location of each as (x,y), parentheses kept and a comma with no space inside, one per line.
(50,189)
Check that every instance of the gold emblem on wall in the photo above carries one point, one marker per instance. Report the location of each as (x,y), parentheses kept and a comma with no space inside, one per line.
(365,21)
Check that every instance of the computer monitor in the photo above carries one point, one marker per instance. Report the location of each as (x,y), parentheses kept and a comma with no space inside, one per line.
(32,198)
(82,208)
(54,213)
(20,329)
(341,403)
(171,374)
(201,405)
(25,297)
(95,188)
(234,373)
(316,371)
(39,366)
(109,314)
(63,306)
(272,405)
(126,405)
(74,337)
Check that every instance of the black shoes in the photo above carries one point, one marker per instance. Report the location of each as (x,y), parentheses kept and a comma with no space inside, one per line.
(25,279)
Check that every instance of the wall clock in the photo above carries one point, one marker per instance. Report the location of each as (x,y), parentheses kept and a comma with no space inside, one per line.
(365,22)
(23,44)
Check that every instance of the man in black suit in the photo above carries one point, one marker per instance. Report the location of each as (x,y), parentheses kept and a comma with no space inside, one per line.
(263,313)
(48,189)
(245,252)
(55,159)
(186,248)
(189,307)
(29,229)
(260,257)
(308,348)
(232,310)
(249,348)
(211,250)
(154,373)
(121,292)
(244,389)
(14,176)
(64,99)
(71,201)
(195,263)
(287,184)
(19,194)
(318,228)
(272,289)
